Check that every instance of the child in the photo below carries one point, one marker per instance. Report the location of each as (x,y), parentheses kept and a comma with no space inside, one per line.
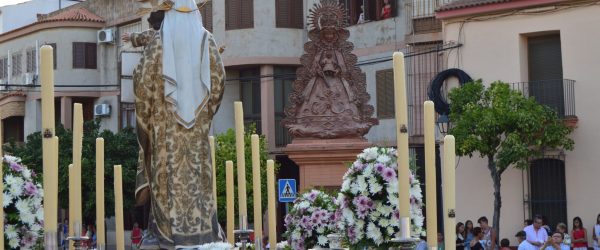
(504,244)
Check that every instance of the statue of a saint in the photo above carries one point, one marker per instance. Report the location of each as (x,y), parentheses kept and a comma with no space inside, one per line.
(329,98)
(178,87)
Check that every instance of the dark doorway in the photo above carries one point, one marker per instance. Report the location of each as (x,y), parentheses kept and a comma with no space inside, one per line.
(548,191)
(13,128)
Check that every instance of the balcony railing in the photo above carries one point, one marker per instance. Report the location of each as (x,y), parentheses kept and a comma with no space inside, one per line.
(557,94)
(421,15)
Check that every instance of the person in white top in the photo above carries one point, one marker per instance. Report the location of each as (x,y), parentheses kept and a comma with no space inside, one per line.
(536,234)
(523,244)
(556,243)
(596,233)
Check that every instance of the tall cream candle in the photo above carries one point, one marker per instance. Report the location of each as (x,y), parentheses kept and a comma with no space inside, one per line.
(449,181)
(430,183)
(51,187)
(255,143)
(77,146)
(47,82)
(230,201)
(119,231)
(1,186)
(48,126)
(100,237)
(72,202)
(241,160)
(271,203)
(402,135)
(211,141)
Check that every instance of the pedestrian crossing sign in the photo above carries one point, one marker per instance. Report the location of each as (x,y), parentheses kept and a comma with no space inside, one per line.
(287,190)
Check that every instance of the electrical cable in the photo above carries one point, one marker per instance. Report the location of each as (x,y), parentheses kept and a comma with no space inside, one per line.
(435,90)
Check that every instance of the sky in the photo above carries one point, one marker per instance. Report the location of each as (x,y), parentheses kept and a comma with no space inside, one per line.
(11,2)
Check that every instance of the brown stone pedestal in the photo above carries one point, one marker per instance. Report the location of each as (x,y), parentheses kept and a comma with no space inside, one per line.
(323,162)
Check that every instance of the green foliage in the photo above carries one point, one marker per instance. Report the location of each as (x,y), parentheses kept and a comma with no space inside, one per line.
(225,151)
(503,125)
(119,149)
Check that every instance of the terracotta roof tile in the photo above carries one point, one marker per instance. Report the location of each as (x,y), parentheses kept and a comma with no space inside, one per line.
(460,4)
(75,14)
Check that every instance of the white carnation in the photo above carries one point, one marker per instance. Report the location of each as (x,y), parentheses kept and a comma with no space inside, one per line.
(7,199)
(374,233)
(383,159)
(362,184)
(27,218)
(11,231)
(23,206)
(345,185)
(26,173)
(390,231)
(322,240)
(303,204)
(14,242)
(348,215)
(375,187)
(10,159)
(39,214)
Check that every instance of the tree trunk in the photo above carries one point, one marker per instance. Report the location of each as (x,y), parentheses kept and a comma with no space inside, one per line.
(497,198)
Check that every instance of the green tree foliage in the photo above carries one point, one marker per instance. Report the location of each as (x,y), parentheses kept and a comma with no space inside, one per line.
(225,151)
(505,127)
(119,149)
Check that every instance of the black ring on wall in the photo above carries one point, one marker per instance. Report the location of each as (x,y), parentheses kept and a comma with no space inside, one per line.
(435,88)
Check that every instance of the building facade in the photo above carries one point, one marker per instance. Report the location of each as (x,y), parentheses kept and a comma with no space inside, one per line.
(543,48)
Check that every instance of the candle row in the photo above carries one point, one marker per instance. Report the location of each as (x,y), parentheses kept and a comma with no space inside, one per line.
(256,184)
(430,169)
(50,169)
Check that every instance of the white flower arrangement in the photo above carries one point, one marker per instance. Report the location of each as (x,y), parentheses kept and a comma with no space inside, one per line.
(310,220)
(368,201)
(22,205)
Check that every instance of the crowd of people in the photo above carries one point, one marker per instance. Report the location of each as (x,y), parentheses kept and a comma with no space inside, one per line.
(536,235)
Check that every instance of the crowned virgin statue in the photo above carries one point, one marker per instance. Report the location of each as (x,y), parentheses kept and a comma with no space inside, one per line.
(329,98)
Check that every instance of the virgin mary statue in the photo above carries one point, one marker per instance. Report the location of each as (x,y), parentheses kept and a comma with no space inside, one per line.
(178,88)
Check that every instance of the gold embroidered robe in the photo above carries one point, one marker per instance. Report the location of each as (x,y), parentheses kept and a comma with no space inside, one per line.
(174,162)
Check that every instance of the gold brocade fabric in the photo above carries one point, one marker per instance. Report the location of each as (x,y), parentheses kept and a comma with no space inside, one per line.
(175,169)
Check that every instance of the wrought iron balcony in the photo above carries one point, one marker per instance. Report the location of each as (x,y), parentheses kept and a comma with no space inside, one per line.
(557,94)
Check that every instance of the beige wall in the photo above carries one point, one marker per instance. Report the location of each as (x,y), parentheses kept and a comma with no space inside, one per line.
(495,50)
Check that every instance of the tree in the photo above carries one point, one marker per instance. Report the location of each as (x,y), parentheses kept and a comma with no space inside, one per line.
(225,151)
(505,127)
(119,149)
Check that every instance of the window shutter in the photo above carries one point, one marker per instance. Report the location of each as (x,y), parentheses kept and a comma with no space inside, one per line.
(247,14)
(4,67)
(90,56)
(385,93)
(207,16)
(78,55)
(298,15)
(232,14)
(283,15)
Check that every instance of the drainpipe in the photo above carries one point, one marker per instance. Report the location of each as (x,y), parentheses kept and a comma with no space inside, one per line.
(37,58)
(9,68)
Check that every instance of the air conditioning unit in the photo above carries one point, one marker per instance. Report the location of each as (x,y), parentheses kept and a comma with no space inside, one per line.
(106,36)
(101,110)
(30,78)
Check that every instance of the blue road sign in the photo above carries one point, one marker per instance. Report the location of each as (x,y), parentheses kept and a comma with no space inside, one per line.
(287,190)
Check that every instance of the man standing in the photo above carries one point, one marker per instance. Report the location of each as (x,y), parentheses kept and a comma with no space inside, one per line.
(536,234)
(523,244)
(178,86)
